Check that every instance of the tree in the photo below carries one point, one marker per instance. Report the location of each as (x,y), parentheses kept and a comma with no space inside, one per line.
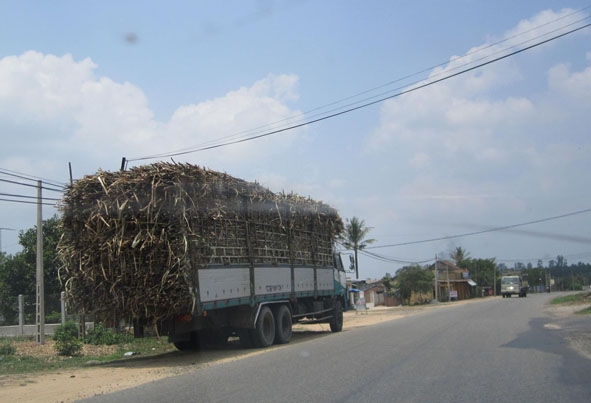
(561,261)
(51,237)
(460,257)
(353,238)
(18,272)
(413,279)
(482,271)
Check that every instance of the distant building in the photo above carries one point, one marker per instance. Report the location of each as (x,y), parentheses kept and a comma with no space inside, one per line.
(372,291)
(453,282)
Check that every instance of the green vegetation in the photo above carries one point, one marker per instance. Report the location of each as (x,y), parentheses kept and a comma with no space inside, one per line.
(18,273)
(6,348)
(410,280)
(66,339)
(101,335)
(33,361)
(573,299)
(354,238)
(580,298)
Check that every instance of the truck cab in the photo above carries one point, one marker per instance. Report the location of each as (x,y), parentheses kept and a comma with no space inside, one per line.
(514,285)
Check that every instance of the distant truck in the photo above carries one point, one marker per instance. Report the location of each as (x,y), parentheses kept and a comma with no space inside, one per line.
(201,256)
(514,285)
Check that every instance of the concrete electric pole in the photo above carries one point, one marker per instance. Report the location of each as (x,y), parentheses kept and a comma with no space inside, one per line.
(40,286)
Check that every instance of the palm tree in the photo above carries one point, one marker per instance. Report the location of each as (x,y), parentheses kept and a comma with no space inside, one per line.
(460,256)
(354,238)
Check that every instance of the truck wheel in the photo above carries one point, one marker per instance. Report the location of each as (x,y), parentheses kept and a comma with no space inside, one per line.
(283,324)
(264,332)
(336,323)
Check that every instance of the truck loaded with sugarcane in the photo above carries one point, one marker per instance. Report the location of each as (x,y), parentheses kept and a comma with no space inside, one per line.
(200,255)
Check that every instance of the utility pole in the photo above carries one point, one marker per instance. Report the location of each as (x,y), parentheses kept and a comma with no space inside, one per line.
(40,286)
(448,286)
(436,280)
(4,229)
(494,280)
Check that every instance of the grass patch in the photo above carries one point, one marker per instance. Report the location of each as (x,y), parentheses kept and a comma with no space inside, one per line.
(580,298)
(573,299)
(29,357)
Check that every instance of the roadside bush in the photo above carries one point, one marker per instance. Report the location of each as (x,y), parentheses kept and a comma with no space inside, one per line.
(67,330)
(53,317)
(101,335)
(66,339)
(6,348)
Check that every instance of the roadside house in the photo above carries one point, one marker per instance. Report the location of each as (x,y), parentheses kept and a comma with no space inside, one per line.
(373,291)
(453,282)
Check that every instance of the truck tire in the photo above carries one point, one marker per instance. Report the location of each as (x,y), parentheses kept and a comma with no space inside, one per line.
(283,324)
(264,332)
(336,323)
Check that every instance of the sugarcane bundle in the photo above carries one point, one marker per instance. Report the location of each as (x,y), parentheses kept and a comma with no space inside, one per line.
(132,240)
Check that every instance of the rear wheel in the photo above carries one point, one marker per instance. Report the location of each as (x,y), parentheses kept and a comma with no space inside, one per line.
(264,332)
(283,324)
(336,323)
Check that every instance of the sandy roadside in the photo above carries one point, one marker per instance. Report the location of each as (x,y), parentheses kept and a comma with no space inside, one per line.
(75,384)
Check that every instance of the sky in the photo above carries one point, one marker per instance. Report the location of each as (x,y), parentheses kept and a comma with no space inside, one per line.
(435,144)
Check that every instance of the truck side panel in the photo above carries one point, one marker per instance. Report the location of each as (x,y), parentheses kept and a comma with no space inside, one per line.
(223,283)
(304,279)
(325,279)
(221,286)
(272,280)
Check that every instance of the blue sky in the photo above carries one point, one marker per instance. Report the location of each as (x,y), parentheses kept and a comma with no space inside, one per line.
(89,83)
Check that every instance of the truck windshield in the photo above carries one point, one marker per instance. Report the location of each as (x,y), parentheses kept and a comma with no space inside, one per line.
(510,280)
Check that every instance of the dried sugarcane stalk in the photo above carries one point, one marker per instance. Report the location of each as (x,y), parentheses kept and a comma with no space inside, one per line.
(131,239)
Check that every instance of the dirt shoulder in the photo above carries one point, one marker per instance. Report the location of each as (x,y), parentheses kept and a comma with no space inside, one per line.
(576,328)
(75,384)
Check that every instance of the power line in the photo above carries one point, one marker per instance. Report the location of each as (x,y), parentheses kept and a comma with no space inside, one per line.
(367,104)
(392,259)
(482,231)
(27,202)
(30,177)
(31,185)
(28,197)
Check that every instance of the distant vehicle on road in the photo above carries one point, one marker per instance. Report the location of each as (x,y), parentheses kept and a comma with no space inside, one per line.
(514,285)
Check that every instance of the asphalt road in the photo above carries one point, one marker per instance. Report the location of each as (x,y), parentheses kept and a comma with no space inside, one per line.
(494,350)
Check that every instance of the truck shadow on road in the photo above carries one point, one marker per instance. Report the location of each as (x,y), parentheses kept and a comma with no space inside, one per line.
(210,354)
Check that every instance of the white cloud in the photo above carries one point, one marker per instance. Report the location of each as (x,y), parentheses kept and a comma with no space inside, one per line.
(258,106)
(56,105)
(420,159)
(576,86)
(472,147)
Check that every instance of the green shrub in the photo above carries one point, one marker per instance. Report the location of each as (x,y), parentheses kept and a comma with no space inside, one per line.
(67,330)
(66,339)
(53,317)
(6,348)
(101,335)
